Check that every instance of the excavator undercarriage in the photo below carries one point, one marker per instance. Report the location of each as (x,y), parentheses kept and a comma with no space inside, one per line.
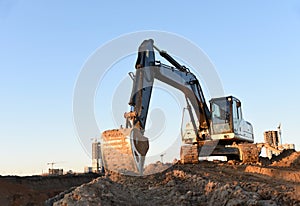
(245,152)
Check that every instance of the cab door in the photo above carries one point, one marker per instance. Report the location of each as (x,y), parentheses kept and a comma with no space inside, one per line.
(236,116)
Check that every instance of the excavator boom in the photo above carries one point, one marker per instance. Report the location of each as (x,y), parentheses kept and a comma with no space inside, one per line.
(122,141)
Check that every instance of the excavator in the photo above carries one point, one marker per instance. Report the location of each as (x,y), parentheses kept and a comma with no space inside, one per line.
(216,131)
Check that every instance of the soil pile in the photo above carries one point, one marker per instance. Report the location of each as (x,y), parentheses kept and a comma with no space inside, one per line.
(206,183)
(292,160)
(34,190)
(156,168)
(282,167)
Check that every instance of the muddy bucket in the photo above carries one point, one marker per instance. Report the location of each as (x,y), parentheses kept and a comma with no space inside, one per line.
(124,150)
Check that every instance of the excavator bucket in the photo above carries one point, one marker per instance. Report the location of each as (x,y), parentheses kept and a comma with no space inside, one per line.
(124,150)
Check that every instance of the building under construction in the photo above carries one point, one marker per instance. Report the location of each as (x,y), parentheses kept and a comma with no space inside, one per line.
(274,144)
(97,166)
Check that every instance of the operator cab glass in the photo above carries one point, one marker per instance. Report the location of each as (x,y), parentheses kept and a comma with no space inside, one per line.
(225,112)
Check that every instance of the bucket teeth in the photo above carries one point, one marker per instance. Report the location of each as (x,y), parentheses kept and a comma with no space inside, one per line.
(124,151)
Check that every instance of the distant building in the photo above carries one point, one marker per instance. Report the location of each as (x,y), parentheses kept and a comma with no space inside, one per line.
(96,157)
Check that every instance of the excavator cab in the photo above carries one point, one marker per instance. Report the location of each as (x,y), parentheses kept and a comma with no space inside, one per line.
(227,123)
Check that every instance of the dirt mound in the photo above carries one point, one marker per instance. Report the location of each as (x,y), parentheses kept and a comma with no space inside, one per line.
(156,167)
(34,190)
(276,173)
(291,160)
(206,183)
(285,166)
(282,155)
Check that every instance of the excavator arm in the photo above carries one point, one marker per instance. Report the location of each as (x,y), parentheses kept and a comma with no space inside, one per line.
(179,77)
(129,145)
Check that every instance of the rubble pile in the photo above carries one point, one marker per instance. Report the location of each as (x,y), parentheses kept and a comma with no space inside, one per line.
(206,183)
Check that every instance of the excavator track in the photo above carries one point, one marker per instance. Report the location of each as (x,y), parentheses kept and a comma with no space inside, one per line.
(249,153)
(124,151)
(189,154)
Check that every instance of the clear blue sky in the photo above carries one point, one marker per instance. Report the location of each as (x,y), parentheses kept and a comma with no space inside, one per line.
(254,45)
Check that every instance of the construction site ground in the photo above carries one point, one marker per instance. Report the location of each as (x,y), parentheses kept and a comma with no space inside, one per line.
(35,190)
(275,182)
